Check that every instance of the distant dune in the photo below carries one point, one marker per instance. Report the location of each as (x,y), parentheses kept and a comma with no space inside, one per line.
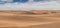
(30,19)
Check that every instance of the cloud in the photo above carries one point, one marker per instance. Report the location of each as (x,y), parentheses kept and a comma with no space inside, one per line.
(52,5)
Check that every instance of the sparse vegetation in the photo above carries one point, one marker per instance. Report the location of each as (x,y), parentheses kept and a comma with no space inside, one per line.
(29,13)
(45,13)
(54,12)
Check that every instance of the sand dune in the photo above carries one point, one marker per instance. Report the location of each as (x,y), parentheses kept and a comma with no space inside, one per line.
(51,25)
(14,20)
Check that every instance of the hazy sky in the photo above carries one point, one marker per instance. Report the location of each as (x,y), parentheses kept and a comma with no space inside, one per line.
(30,4)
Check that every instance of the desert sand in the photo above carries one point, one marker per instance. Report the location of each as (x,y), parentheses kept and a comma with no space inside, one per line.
(30,19)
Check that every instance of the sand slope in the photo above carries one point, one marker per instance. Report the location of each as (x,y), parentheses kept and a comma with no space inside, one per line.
(12,20)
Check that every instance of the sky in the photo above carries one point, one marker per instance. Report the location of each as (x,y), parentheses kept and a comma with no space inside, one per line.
(29,4)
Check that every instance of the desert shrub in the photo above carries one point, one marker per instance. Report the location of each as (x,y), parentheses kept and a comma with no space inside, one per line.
(45,13)
(53,12)
(29,13)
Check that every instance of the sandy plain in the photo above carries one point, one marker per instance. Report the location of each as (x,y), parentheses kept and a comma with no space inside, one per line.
(30,19)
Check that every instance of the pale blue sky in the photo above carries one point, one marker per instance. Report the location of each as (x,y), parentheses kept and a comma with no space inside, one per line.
(30,5)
